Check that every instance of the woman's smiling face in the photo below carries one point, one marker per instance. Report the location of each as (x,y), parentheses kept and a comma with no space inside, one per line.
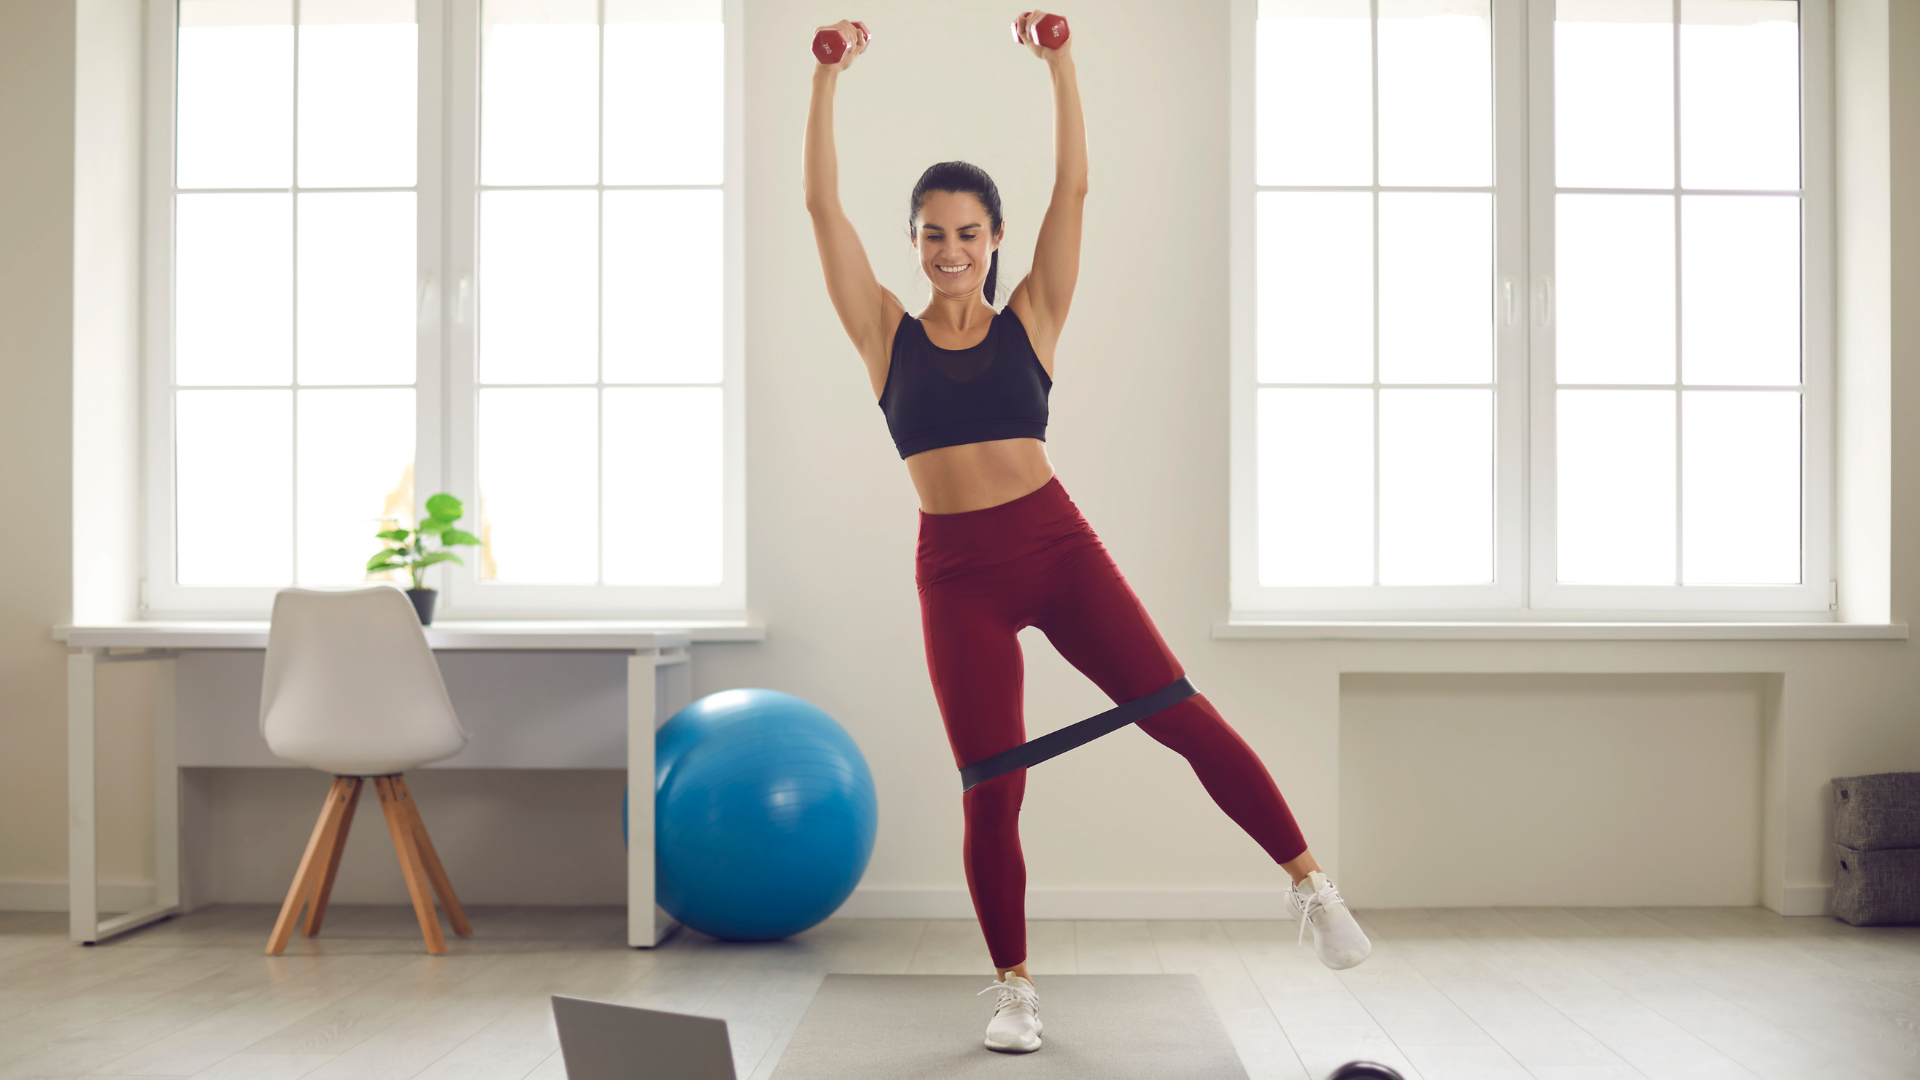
(955,242)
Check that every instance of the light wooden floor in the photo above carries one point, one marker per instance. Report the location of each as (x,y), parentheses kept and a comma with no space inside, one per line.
(1552,993)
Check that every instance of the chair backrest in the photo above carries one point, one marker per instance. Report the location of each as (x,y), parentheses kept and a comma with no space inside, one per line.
(351,686)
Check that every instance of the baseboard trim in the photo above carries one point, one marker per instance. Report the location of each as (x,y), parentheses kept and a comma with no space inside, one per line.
(1806,900)
(42,894)
(882,903)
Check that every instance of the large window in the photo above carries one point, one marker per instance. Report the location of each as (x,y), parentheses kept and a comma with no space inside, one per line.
(404,246)
(1538,318)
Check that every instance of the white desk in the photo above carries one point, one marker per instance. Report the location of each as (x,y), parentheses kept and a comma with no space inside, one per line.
(649,646)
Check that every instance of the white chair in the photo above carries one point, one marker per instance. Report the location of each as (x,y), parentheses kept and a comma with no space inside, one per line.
(351,689)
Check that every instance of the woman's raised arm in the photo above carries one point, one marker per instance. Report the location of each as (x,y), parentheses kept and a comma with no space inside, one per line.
(1042,298)
(866,310)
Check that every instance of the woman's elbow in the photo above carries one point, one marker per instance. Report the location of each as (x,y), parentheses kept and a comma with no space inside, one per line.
(819,203)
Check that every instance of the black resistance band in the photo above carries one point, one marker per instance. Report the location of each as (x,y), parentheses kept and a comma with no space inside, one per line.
(1055,743)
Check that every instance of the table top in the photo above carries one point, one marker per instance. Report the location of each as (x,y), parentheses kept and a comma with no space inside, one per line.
(585,635)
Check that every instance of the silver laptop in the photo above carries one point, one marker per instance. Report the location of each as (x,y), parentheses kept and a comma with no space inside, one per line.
(599,1041)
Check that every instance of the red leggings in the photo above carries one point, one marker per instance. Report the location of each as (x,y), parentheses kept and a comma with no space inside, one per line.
(986,574)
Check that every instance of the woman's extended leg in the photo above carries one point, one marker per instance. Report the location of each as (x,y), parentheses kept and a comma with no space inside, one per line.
(1099,625)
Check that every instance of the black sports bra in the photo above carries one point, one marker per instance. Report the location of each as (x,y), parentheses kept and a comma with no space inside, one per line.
(938,397)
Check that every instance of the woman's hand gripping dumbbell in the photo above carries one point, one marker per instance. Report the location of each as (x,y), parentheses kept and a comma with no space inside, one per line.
(1038,30)
(835,46)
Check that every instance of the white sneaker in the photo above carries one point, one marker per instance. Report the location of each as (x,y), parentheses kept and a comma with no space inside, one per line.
(1015,1028)
(1336,937)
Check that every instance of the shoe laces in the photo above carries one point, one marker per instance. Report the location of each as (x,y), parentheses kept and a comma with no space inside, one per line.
(1012,996)
(1313,903)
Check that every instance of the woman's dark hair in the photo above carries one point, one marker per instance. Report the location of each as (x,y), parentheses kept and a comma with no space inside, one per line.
(961,179)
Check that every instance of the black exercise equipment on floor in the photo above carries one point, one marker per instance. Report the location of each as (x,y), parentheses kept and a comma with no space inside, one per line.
(1364,1070)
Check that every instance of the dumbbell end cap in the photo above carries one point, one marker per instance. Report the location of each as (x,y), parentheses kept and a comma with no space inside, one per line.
(829,46)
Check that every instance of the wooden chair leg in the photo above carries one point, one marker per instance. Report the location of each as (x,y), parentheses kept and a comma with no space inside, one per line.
(317,907)
(319,847)
(400,826)
(436,873)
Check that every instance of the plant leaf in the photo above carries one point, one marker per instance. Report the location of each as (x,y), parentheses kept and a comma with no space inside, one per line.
(445,507)
(438,557)
(393,534)
(459,536)
(433,525)
(383,560)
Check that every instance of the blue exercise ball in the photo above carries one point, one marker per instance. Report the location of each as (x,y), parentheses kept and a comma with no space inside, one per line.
(764,815)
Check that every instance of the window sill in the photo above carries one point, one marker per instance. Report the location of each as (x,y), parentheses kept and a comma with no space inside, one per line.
(1558,631)
(454,633)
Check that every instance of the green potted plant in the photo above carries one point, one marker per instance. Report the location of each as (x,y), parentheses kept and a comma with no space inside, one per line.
(413,550)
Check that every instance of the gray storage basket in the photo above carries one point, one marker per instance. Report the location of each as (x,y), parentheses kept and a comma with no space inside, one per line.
(1878,811)
(1875,888)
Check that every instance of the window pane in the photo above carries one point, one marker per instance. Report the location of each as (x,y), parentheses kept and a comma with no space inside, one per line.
(1436,287)
(1740,294)
(1436,92)
(665,51)
(1436,487)
(540,92)
(664,482)
(233,290)
(1315,478)
(540,486)
(358,84)
(1741,488)
(1314,282)
(357,287)
(1740,94)
(233,486)
(539,286)
(356,466)
(1313,92)
(1613,266)
(663,292)
(235,94)
(1613,93)
(1615,487)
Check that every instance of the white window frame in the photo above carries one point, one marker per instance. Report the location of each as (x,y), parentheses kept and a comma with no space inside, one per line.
(465,594)
(445,451)
(1525,544)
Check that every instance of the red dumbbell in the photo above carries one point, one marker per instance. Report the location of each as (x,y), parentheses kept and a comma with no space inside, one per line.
(1051,31)
(830,45)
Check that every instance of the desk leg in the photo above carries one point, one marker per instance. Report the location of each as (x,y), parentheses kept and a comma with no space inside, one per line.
(166,787)
(83,911)
(83,867)
(647,925)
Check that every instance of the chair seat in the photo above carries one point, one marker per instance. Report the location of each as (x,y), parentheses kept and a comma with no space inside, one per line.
(343,761)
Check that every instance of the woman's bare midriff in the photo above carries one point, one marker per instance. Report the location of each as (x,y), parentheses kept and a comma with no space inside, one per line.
(974,476)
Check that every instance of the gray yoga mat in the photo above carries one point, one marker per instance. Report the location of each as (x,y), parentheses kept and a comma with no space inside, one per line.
(929,1027)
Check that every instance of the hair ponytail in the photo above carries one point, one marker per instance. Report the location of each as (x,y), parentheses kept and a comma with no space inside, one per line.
(961,178)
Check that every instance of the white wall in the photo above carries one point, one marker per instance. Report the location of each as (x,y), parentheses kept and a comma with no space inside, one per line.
(1550,790)
(1138,438)
(524,836)
(36,303)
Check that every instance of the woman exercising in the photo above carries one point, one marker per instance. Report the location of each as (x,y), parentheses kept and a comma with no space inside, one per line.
(1001,546)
